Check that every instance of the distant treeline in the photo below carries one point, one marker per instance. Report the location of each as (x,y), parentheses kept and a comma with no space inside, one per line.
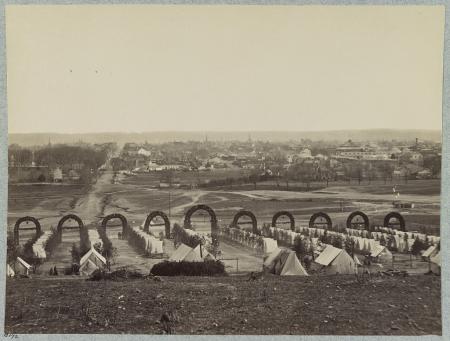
(60,154)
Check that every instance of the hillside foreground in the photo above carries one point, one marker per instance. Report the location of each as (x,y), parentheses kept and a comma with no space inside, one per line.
(324,305)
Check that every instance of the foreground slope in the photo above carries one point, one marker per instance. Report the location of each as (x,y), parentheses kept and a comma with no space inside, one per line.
(227,305)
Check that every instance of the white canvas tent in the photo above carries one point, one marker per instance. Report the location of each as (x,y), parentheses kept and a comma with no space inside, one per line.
(180,253)
(197,254)
(284,263)
(381,254)
(91,261)
(270,245)
(333,260)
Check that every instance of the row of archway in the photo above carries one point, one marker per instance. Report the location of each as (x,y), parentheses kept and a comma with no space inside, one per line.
(356,219)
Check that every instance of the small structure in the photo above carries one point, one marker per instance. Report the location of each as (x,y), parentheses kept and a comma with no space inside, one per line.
(284,263)
(381,254)
(91,261)
(21,267)
(57,175)
(435,264)
(333,261)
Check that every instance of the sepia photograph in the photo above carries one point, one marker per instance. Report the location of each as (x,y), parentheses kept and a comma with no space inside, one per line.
(223,169)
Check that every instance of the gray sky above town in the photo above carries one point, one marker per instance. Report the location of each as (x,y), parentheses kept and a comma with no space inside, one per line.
(145,68)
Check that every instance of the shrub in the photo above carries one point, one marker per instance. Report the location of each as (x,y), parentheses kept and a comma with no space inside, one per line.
(206,268)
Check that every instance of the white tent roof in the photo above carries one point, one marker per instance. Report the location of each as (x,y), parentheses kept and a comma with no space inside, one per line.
(428,252)
(89,253)
(328,255)
(269,260)
(180,253)
(377,251)
(25,264)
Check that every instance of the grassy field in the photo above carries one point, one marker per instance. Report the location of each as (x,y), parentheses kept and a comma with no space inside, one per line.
(337,305)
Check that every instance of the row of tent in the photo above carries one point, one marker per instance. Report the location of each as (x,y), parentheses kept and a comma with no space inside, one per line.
(151,245)
(184,253)
(39,245)
(389,231)
(331,261)
(266,245)
(362,244)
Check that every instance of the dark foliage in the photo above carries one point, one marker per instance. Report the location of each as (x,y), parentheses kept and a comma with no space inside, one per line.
(206,268)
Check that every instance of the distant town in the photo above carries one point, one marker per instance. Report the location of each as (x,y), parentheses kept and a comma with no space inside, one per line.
(235,161)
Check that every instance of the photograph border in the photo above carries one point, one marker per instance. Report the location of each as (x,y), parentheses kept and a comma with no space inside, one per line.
(445,181)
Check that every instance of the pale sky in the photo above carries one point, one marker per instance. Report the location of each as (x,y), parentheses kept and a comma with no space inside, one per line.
(155,68)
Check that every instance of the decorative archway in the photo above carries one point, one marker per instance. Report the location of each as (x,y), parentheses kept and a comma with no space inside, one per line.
(123,220)
(37,227)
(286,214)
(84,237)
(325,221)
(245,213)
(351,223)
(69,217)
(399,225)
(155,214)
(212,214)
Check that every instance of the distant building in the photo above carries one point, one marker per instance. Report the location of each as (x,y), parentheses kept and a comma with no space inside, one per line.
(144,152)
(57,175)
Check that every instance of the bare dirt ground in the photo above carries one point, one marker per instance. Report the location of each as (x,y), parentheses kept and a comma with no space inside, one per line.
(330,305)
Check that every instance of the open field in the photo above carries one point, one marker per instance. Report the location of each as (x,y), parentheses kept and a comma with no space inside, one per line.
(134,197)
(338,305)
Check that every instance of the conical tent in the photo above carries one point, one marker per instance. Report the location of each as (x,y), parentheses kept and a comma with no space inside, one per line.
(180,253)
(284,263)
(196,254)
(292,266)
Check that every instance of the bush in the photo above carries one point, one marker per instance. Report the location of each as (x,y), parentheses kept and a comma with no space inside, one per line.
(206,268)
(101,274)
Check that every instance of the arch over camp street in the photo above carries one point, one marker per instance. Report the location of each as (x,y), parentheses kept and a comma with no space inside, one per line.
(352,221)
(399,221)
(37,227)
(245,213)
(123,221)
(320,219)
(209,210)
(153,215)
(285,214)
